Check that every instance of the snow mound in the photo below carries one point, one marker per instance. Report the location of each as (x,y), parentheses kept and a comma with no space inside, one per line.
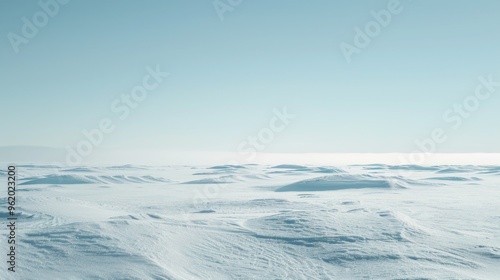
(81,169)
(216,180)
(327,170)
(257,176)
(455,178)
(38,166)
(411,167)
(227,166)
(59,179)
(87,179)
(205,211)
(290,166)
(456,169)
(340,182)
(125,167)
(206,173)
(320,228)
(98,243)
(490,170)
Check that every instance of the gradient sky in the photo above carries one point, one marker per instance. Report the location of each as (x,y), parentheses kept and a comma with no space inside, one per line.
(227,76)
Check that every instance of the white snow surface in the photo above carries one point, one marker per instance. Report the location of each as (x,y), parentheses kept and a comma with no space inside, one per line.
(256,222)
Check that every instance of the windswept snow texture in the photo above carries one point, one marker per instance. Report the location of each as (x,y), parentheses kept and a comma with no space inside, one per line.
(256,222)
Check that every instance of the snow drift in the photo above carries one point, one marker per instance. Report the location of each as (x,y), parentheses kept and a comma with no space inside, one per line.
(339,182)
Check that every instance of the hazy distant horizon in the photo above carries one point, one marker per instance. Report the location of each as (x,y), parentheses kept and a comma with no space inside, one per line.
(47,155)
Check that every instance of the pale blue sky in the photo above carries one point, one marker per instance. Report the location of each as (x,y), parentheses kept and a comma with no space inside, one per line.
(226,77)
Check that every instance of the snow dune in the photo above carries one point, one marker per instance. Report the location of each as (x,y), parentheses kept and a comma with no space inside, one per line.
(89,179)
(227,167)
(340,182)
(216,180)
(292,168)
(455,178)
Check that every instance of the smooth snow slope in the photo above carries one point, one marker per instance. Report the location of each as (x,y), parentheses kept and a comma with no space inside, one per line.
(257,222)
